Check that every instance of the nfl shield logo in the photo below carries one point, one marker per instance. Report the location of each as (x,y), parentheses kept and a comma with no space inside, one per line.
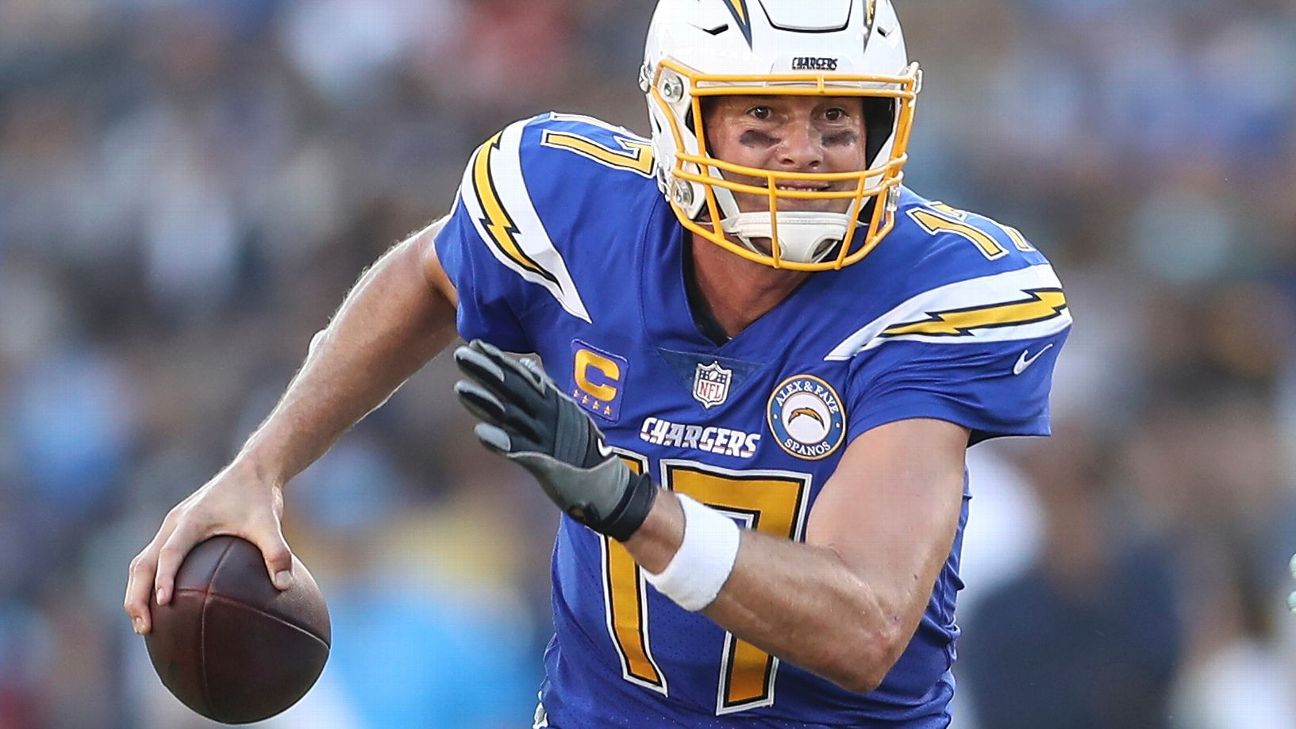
(711,384)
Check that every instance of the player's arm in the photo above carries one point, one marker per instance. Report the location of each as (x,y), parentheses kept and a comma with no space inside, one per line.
(398,316)
(846,603)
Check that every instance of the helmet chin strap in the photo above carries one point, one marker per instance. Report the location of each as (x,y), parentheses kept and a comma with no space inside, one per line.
(803,237)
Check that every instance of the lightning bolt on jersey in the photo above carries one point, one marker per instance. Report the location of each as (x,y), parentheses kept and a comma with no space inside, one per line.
(561,244)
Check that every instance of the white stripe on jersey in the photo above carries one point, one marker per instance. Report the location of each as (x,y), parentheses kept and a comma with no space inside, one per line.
(531,236)
(1002,291)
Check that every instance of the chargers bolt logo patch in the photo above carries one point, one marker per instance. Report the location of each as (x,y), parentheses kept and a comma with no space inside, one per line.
(806,417)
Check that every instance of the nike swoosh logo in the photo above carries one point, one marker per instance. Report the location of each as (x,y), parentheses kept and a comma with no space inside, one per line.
(1025,360)
(603,449)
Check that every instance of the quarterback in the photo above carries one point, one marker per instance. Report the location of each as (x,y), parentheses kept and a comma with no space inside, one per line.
(764,358)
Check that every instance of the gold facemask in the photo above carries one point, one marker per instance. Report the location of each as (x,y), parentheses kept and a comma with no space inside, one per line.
(873,193)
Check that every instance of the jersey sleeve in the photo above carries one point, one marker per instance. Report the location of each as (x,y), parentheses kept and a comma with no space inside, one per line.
(496,248)
(979,353)
(486,307)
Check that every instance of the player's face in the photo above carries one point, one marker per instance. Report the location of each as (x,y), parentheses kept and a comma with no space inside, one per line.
(789,134)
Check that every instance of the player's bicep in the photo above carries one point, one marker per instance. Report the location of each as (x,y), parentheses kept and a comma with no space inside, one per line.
(891,510)
(433,271)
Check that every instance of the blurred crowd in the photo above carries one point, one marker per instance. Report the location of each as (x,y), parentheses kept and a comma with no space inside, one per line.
(189,187)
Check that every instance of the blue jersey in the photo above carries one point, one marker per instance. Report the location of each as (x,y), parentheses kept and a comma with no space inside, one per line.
(561,244)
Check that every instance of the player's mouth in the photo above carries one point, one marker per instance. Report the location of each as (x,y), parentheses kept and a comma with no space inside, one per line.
(799,204)
(806,187)
(788,185)
(760,202)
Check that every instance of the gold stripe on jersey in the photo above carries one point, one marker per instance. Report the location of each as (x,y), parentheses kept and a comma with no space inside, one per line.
(773,502)
(497,222)
(1019,240)
(636,155)
(1039,305)
(626,604)
(933,224)
(1021,304)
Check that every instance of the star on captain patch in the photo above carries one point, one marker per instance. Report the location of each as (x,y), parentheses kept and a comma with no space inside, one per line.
(711,384)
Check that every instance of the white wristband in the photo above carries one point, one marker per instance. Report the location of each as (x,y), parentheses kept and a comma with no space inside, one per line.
(704,560)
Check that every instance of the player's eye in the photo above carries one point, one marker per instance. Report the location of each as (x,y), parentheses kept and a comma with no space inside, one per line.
(835,114)
(762,113)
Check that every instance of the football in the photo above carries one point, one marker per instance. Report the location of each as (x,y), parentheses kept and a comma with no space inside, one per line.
(229,644)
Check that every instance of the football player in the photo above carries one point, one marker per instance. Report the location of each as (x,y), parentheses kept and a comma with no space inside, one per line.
(764,360)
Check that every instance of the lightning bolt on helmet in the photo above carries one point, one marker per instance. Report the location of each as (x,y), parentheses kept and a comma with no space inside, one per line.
(705,48)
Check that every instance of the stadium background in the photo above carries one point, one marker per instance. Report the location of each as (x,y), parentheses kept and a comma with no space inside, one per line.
(188,187)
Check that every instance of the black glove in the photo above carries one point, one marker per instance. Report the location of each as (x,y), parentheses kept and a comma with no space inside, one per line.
(529,421)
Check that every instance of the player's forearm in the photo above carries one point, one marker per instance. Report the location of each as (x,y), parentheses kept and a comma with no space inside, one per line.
(388,327)
(797,601)
(803,604)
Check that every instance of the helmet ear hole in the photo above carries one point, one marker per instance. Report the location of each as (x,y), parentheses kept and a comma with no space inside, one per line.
(690,122)
(879,124)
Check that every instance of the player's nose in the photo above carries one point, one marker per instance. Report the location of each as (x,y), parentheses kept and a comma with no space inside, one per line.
(801,148)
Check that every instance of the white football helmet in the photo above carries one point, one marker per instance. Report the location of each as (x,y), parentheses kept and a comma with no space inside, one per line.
(705,48)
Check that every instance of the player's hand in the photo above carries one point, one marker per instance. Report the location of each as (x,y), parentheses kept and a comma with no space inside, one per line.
(529,421)
(233,502)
